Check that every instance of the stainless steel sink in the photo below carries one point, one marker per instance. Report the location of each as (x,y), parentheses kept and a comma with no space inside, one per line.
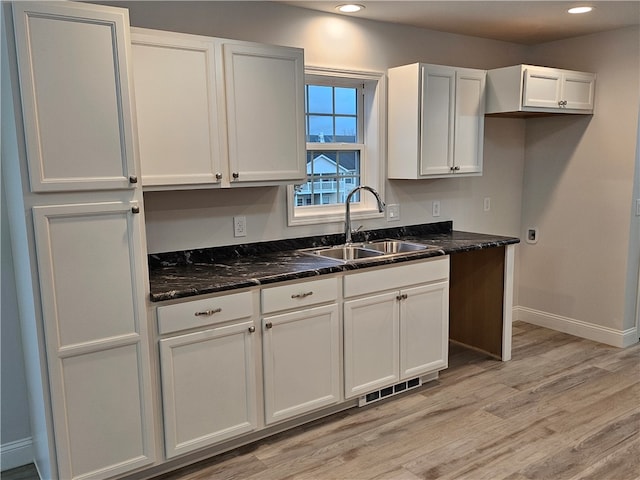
(368,250)
(395,246)
(345,252)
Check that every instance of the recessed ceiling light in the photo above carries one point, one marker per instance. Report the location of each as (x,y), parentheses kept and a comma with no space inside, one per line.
(349,8)
(580,9)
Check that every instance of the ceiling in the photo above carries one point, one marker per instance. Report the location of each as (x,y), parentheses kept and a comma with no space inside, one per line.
(525,22)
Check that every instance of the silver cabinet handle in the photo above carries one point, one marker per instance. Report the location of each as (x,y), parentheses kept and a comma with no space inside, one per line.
(302,295)
(404,296)
(235,175)
(207,313)
(218,176)
(252,329)
(457,167)
(135,209)
(268,325)
(133,179)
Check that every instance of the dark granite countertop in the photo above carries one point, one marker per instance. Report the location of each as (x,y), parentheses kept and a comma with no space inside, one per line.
(197,272)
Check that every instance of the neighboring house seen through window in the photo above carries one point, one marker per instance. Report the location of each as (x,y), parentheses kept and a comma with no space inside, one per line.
(342,116)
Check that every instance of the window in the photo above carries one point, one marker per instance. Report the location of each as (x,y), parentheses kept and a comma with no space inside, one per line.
(342,120)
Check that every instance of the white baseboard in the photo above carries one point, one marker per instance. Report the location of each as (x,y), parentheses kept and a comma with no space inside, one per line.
(16,454)
(590,331)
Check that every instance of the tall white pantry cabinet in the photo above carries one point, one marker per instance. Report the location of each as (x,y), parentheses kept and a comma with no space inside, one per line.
(86,248)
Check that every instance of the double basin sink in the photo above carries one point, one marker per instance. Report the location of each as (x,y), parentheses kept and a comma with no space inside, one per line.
(368,250)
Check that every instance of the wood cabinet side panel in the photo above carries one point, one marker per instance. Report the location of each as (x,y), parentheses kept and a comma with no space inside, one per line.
(476,299)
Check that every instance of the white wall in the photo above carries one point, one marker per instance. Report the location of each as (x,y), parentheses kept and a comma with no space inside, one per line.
(578,190)
(15,432)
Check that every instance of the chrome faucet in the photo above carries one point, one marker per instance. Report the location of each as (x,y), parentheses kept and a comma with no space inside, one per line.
(347,219)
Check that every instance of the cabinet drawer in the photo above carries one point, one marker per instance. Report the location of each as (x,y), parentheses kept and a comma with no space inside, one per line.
(299,295)
(198,313)
(393,277)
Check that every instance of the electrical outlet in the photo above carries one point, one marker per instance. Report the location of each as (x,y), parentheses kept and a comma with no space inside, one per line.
(240,226)
(487,204)
(435,208)
(532,235)
(393,212)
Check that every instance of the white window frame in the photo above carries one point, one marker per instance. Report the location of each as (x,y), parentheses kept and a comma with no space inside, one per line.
(372,150)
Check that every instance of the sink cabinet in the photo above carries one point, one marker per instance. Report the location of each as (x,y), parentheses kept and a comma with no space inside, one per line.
(208,374)
(217,113)
(436,121)
(533,89)
(301,348)
(395,324)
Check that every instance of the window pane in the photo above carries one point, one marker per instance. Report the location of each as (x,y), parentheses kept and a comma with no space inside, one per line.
(346,130)
(331,175)
(320,99)
(345,100)
(349,163)
(320,129)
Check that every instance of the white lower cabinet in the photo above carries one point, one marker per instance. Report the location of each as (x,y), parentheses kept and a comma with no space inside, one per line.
(424,329)
(399,333)
(209,376)
(301,348)
(371,339)
(91,276)
(301,362)
(394,327)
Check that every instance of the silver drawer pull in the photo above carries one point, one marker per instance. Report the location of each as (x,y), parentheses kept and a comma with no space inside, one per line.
(208,313)
(302,295)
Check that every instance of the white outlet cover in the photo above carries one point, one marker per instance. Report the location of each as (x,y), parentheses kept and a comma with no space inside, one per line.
(393,212)
(435,208)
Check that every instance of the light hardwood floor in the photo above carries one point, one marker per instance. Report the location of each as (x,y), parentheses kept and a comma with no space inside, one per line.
(562,408)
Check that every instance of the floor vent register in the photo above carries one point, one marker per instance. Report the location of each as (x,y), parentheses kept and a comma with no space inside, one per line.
(389,391)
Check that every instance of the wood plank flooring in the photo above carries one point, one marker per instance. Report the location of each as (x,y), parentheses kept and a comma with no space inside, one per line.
(562,408)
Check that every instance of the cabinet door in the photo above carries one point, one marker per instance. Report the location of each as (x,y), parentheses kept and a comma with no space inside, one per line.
(92,274)
(265,112)
(208,387)
(301,362)
(177,108)
(371,343)
(424,329)
(73,62)
(469,120)
(578,90)
(542,87)
(437,120)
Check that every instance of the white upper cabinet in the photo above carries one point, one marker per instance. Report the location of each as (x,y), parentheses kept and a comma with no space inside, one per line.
(265,112)
(73,67)
(179,120)
(526,88)
(215,112)
(436,121)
